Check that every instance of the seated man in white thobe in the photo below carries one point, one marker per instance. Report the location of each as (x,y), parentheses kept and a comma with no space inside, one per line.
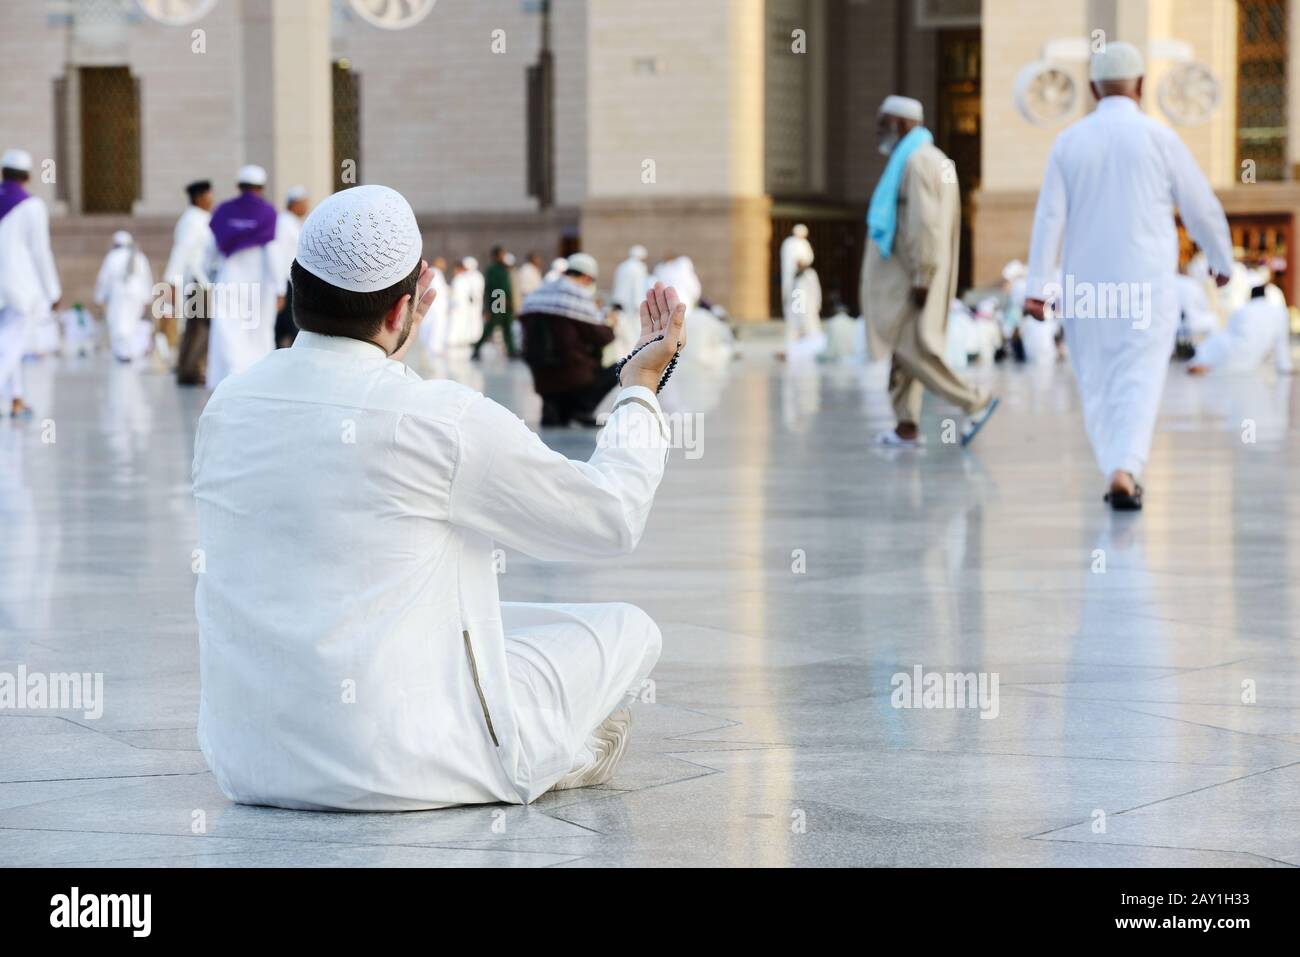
(354,652)
(1259,330)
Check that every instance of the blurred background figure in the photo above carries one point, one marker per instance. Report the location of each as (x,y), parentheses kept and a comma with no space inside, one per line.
(249,279)
(630,281)
(125,288)
(433,331)
(288,228)
(795,249)
(187,274)
(679,272)
(527,278)
(1259,330)
(803,307)
(498,304)
(29,283)
(565,339)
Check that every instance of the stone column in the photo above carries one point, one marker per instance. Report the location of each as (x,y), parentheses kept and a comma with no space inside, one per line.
(675,142)
(288,109)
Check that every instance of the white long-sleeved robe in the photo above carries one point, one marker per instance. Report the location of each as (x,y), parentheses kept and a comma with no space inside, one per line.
(125,287)
(680,274)
(794,250)
(29,286)
(288,227)
(353,649)
(630,284)
(1106,215)
(433,330)
(465,313)
(1257,331)
(188,262)
(242,306)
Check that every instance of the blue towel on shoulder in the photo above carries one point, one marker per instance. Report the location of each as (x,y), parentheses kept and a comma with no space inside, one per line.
(882,214)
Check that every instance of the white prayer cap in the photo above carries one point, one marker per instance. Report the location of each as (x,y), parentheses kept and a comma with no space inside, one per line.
(800,230)
(559,265)
(585,264)
(252,175)
(1014,270)
(1118,61)
(122,238)
(294,194)
(20,160)
(362,239)
(904,106)
(469,262)
(638,252)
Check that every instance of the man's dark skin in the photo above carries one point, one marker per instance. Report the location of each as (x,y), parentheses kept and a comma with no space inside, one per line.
(1121,482)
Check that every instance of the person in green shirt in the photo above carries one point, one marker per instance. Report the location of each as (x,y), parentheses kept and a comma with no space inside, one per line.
(498,304)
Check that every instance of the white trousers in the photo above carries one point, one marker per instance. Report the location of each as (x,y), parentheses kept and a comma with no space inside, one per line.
(570,667)
(13,343)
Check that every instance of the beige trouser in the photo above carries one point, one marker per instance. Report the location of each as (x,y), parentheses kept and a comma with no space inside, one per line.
(916,367)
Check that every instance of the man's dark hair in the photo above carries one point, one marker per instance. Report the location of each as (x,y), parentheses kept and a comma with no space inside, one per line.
(14,175)
(331,311)
(497,251)
(198,188)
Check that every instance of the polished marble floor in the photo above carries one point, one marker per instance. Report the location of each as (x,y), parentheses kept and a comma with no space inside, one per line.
(1147,710)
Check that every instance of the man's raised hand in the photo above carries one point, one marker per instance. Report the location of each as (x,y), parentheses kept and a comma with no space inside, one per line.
(661,314)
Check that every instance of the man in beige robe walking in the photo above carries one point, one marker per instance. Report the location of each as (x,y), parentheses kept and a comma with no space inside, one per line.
(909,273)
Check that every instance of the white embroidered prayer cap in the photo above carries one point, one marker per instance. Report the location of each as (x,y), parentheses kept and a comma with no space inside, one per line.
(362,239)
(20,160)
(1118,61)
(295,193)
(800,230)
(904,106)
(585,264)
(638,252)
(470,263)
(251,175)
(122,238)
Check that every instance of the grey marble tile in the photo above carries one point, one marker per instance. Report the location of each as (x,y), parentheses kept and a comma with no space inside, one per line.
(793,570)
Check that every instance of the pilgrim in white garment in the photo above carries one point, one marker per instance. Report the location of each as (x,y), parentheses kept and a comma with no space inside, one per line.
(630,281)
(125,288)
(248,279)
(29,283)
(1106,216)
(1258,331)
(466,307)
(1197,317)
(804,339)
(558,267)
(354,653)
(679,272)
(433,331)
(187,273)
(795,250)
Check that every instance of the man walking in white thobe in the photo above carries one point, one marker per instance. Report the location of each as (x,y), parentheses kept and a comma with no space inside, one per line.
(29,283)
(124,288)
(249,281)
(187,273)
(630,280)
(1106,216)
(353,650)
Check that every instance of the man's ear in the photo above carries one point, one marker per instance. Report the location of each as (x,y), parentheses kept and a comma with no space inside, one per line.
(394,317)
(1139,86)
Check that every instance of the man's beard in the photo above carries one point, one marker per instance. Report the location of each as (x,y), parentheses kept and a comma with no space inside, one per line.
(887,143)
(407,323)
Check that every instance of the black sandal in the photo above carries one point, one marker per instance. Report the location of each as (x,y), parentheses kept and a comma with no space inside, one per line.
(1123,502)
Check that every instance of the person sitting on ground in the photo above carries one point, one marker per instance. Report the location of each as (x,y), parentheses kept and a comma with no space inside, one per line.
(564,336)
(353,651)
